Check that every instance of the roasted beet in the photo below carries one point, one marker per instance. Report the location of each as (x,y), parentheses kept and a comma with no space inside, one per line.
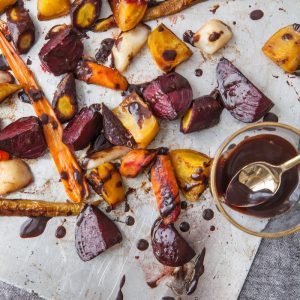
(239,95)
(204,113)
(62,52)
(100,143)
(23,138)
(95,233)
(169,96)
(114,131)
(169,247)
(83,129)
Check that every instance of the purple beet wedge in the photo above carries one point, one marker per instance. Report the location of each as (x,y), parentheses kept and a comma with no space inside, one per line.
(240,96)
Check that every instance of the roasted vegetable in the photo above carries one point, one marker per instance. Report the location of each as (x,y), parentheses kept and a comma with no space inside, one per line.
(62,155)
(35,208)
(106,155)
(83,129)
(62,52)
(51,9)
(240,96)
(53,31)
(6,77)
(128,44)
(4,155)
(4,4)
(14,175)
(104,24)
(95,233)
(283,48)
(169,96)
(104,51)
(21,28)
(192,171)
(65,100)
(165,189)
(114,131)
(167,49)
(136,161)
(204,113)
(99,144)
(107,182)
(23,138)
(4,66)
(212,36)
(7,89)
(84,13)
(168,246)
(128,14)
(138,119)
(94,73)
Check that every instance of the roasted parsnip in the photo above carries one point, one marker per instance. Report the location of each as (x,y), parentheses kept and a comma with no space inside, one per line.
(51,9)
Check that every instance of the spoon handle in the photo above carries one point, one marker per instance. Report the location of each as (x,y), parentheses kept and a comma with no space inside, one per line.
(290,163)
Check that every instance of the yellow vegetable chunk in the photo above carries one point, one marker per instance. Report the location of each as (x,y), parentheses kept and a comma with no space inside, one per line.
(51,9)
(192,170)
(4,4)
(7,89)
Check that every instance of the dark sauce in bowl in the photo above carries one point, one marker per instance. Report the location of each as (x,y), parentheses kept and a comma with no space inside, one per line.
(272,149)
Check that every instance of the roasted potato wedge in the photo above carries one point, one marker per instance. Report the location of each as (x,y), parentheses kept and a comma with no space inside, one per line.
(7,89)
(192,171)
(94,73)
(283,48)
(107,182)
(128,14)
(165,189)
(4,4)
(52,9)
(167,49)
(136,161)
(138,119)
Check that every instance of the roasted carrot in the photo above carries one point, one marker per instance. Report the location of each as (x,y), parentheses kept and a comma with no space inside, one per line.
(71,174)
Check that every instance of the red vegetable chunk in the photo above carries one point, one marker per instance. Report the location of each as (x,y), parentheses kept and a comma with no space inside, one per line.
(169,96)
(23,138)
(240,96)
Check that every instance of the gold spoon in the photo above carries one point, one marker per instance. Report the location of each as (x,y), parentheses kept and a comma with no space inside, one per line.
(257,182)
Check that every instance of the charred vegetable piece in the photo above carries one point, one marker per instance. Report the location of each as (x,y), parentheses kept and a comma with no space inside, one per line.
(52,9)
(15,174)
(138,119)
(204,113)
(7,89)
(62,53)
(104,24)
(283,48)
(6,77)
(168,246)
(23,138)
(4,4)
(169,96)
(4,66)
(128,44)
(106,155)
(128,14)
(114,131)
(35,208)
(95,233)
(4,155)
(212,36)
(65,101)
(100,143)
(21,28)
(192,171)
(240,96)
(107,182)
(55,30)
(94,73)
(104,51)
(167,49)
(165,189)
(84,13)
(83,129)
(136,161)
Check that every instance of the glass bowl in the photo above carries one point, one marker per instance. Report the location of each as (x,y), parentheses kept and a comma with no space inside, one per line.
(287,222)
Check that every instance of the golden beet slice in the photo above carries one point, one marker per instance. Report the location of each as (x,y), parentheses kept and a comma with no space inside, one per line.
(192,170)
(128,14)
(7,89)
(138,119)
(283,48)
(104,24)
(167,49)
(107,182)
(52,9)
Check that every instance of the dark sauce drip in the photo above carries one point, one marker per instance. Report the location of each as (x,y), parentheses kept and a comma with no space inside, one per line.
(215,36)
(183,205)
(184,226)
(33,227)
(212,228)
(129,191)
(120,293)
(60,232)
(29,62)
(198,72)
(188,37)
(139,112)
(270,117)
(104,50)
(4,66)
(273,149)
(208,214)
(44,119)
(214,9)
(35,94)
(23,97)
(256,14)
(142,245)
(168,204)
(129,221)
(167,298)
(64,175)
(169,55)
(199,270)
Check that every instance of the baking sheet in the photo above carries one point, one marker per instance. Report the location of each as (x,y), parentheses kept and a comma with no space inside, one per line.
(52,268)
